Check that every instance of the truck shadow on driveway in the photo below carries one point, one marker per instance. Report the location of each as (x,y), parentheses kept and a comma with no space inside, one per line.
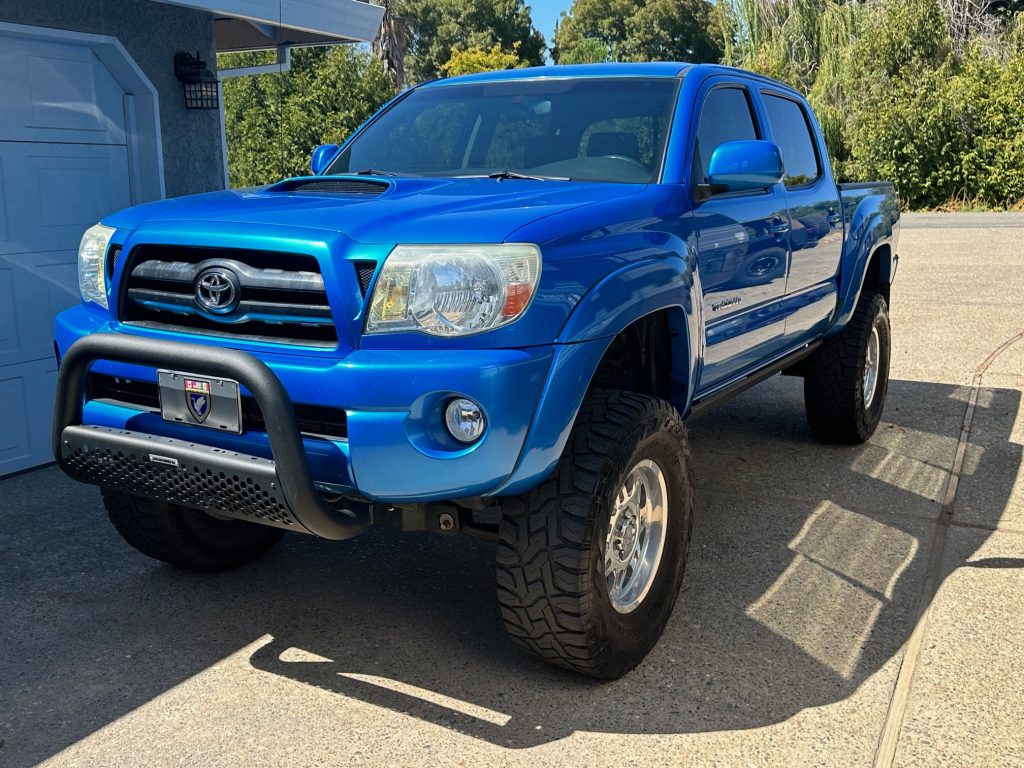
(804,579)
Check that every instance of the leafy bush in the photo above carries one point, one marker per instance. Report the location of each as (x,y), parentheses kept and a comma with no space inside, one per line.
(470,60)
(896,96)
(274,121)
(993,165)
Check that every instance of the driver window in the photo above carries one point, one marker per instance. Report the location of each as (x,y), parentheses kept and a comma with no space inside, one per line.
(431,140)
(515,129)
(725,116)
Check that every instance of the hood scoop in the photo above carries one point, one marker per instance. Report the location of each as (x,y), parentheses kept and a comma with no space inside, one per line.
(319,185)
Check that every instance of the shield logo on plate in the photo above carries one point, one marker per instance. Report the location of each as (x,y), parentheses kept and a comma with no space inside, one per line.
(197,398)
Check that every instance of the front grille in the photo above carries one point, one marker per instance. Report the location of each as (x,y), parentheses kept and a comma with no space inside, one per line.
(313,420)
(270,296)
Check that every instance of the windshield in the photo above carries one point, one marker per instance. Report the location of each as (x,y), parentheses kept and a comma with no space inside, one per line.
(593,129)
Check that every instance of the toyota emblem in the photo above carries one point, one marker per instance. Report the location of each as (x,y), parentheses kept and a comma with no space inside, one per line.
(217,290)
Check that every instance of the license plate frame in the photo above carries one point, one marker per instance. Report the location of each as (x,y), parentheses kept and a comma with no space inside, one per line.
(211,402)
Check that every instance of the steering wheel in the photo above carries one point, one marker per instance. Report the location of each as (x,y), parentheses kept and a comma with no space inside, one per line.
(635,163)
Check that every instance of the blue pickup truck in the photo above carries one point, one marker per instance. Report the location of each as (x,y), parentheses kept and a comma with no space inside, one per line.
(490,312)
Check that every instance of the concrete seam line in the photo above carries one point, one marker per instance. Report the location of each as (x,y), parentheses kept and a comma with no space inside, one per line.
(885,753)
(992,528)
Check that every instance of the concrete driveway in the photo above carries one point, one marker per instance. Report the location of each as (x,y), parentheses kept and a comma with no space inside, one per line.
(842,606)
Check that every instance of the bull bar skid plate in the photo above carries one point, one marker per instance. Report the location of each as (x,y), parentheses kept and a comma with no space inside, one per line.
(276,492)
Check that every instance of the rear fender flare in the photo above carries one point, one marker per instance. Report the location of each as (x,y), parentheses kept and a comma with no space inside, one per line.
(871,228)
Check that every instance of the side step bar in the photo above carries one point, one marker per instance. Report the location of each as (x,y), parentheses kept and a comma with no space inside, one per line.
(276,492)
(704,403)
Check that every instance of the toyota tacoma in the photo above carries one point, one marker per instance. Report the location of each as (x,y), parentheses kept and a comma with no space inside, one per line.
(491,312)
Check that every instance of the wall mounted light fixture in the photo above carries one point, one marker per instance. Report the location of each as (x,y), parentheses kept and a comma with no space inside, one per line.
(199,83)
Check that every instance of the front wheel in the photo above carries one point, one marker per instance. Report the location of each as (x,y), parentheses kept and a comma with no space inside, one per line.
(590,562)
(184,537)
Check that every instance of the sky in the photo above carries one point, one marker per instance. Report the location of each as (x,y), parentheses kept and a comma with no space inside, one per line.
(545,14)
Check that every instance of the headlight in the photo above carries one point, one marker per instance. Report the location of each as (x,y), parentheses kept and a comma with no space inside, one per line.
(92,274)
(453,290)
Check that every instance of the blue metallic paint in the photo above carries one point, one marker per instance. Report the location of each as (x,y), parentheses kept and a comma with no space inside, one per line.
(392,399)
(322,157)
(612,253)
(873,228)
(745,166)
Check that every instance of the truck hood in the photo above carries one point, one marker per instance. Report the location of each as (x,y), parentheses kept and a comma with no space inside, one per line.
(417,210)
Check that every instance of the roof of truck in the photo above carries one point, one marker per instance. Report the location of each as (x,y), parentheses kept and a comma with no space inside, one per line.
(624,69)
(613,69)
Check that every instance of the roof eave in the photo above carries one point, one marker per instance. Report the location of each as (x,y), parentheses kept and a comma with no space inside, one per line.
(298,22)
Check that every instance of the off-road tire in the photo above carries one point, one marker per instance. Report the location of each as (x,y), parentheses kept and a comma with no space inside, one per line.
(186,538)
(550,555)
(833,377)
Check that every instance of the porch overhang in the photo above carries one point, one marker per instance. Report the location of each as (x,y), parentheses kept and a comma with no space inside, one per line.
(247,25)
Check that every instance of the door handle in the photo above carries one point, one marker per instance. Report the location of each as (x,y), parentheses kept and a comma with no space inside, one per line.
(779,227)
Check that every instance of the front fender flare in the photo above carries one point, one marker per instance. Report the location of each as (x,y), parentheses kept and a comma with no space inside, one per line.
(620,299)
(628,294)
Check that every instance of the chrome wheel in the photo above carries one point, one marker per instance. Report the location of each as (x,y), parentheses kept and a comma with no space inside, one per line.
(636,536)
(871,365)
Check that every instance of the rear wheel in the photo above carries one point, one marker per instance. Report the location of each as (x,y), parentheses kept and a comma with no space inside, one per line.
(590,562)
(185,537)
(846,380)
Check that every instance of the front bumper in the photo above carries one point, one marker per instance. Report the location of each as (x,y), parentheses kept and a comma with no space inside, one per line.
(278,492)
(396,450)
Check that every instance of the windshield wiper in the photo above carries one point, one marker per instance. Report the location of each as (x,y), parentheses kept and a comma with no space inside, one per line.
(514,175)
(372,172)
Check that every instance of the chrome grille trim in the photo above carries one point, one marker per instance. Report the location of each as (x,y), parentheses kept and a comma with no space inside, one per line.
(284,305)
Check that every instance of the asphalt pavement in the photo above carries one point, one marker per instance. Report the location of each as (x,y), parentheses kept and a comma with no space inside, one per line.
(842,606)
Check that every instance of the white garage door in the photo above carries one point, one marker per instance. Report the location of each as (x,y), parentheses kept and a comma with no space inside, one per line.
(63,166)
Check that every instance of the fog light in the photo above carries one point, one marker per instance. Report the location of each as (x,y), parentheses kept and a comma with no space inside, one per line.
(464,420)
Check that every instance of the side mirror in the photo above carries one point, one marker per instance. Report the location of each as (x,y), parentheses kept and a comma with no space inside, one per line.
(745,165)
(322,157)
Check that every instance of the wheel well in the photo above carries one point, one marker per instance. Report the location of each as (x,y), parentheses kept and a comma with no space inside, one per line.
(877,278)
(648,357)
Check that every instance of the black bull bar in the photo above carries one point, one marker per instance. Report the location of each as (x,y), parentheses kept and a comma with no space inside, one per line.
(276,492)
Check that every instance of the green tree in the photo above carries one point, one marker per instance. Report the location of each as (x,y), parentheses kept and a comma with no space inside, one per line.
(902,91)
(672,30)
(600,20)
(274,121)
(903,118)
(391,42)
(637,30)
(478,60)
(586,51)
(438,28)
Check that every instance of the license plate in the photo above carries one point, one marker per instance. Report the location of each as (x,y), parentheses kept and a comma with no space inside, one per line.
(203,401)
